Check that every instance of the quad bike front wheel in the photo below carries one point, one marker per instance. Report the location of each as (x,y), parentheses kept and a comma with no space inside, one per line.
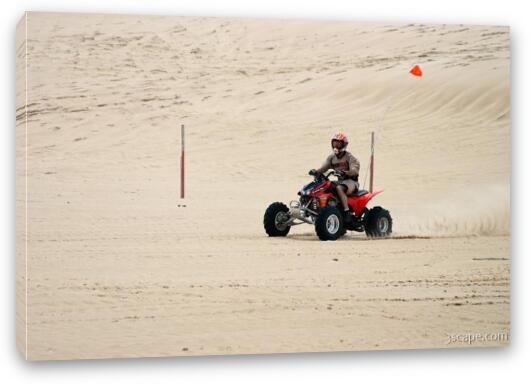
(275,219)
(329,224)
(379,223)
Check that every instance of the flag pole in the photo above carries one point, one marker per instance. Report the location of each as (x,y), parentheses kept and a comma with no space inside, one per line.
(415,71)
(182,161)
(372,163)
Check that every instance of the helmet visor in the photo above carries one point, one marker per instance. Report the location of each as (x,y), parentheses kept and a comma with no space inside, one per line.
(338,144)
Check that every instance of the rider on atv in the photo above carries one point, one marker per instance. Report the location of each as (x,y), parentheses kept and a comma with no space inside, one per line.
(348,167)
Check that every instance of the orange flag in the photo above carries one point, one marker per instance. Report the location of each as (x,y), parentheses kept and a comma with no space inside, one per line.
(416,71)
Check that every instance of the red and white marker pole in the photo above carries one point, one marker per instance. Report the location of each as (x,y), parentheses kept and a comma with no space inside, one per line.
(371,181)
(182,161)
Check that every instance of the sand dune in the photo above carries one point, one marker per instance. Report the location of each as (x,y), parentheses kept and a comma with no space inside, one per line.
(116,268)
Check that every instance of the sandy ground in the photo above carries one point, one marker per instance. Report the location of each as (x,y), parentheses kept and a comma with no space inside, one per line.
(117,269)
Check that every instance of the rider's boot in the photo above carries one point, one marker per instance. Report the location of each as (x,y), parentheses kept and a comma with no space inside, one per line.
(347,216)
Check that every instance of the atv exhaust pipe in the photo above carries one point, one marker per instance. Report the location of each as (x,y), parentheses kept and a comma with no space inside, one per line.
(296,212)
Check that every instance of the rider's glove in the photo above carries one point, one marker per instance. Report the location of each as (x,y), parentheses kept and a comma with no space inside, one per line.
(312,172)
(342,174)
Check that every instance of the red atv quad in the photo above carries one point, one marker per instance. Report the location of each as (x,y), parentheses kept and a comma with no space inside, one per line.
(319,205)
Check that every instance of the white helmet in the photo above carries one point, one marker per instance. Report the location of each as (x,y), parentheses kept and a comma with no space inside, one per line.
(342,138)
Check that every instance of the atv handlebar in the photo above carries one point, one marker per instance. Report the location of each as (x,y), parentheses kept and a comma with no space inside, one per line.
(326,176)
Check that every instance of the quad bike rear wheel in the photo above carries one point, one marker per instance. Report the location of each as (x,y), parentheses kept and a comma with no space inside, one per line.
(329,224)
(379,223)
(275,218)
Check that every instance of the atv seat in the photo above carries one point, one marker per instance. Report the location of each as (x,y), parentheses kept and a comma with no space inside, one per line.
(359,192)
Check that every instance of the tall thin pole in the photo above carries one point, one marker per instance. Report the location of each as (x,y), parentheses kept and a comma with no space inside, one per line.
(372,163)
(182,161)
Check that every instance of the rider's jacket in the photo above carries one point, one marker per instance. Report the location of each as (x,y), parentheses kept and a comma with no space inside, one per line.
(346,162)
